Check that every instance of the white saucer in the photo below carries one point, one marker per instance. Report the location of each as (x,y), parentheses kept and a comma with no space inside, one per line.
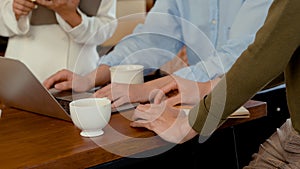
(91,133)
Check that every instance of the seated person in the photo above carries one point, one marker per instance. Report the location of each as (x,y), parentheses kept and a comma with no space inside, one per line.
(214,34)
(276,50)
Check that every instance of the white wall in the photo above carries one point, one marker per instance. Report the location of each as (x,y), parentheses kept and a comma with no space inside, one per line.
(127,21)
(127,7)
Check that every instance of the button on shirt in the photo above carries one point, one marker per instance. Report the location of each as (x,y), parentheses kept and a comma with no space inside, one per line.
(215,33)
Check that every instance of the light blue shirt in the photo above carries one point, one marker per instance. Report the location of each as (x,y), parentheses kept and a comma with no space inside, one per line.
(215,33)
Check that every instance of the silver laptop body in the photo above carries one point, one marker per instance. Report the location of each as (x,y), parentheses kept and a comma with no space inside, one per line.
(20,89)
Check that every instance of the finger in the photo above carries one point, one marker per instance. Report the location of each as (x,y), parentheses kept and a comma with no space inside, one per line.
(48,83)
(20,12)
(170,86)
(107,95)
(140,123)
(108,92)
(104,92)
(24,4)
(106,88)
(19,7)
(138,115)
(66,85)
(60,76)
(119,102)
(45,2)
(22,9)
(150,113)
(143,107)
(172,101)
(120,91)
(166,89)
(33,4)
(159,97)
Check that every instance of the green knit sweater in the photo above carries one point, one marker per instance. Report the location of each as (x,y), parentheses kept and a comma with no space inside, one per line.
(274,51)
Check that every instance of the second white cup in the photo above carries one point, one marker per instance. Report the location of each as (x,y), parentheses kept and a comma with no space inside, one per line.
(127,74)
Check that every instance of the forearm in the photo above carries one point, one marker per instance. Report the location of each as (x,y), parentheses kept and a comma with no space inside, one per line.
(158,83)
(9,26)
(99,76)
(91,30)
(72,18)
(203,71)
(274,45)
(145,49)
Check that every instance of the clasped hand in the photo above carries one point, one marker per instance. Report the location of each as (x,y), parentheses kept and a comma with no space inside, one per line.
(170,123)
(62,7)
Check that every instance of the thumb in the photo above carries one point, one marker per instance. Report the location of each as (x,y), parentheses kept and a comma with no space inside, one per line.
(66,85)
(165,89)
(173,100)
(160,95)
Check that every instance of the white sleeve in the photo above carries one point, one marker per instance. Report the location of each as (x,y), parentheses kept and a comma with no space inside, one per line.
(150,44)
(9,26)
(95,29)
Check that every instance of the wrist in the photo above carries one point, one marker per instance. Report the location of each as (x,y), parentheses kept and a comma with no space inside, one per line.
(73,18)
(100,76)
(90,80)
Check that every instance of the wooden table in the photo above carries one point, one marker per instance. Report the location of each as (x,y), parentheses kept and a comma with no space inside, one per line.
(29,140)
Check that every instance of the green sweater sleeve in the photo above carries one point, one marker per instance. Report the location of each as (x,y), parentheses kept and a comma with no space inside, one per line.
(263,61)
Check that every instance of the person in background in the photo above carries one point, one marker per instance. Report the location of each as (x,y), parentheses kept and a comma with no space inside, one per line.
(49,35)
(214,33)
(276,50)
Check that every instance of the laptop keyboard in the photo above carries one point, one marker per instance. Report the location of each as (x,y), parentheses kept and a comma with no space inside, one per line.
(64,104)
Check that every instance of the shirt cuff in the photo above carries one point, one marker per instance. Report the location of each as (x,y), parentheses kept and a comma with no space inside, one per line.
(197,116)
(192,73)
(21,26)
(203,121)
(68,28)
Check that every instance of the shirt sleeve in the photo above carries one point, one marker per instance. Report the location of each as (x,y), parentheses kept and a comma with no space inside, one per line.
(9,26)
(263,61)
(150,44)
(94,29)
(250,17)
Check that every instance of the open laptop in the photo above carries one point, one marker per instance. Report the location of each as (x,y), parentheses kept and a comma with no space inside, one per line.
(19,88)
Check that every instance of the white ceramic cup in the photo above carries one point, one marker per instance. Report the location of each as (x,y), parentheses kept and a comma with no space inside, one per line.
(90,115)
(127,74)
